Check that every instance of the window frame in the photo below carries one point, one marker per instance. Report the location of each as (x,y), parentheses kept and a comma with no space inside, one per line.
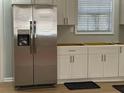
(98,32)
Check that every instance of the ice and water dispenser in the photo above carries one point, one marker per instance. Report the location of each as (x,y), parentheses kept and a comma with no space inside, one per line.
(23,38)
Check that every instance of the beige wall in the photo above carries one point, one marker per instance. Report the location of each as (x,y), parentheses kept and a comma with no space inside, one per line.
(65,35)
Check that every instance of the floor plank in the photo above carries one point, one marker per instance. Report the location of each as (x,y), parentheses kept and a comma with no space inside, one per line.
(105,88)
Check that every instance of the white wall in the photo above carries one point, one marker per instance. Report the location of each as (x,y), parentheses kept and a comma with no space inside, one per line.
(1,40)
(7,38)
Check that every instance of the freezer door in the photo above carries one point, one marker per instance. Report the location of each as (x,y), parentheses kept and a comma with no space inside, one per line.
(45,50)
(23,56)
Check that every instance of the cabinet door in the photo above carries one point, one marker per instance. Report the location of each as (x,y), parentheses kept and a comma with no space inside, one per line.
(121,61)
(61,11)
(121,11)
(111,62)
(47,2)
(79,66)
(71,11)
(95,65)
(64,71)
(54,2)
(21,2)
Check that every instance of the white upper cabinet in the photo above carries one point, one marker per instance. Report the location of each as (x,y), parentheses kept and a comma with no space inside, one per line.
(71,11)
(60,12)
(45,2)
(21,1)
(121,11)
(66,12)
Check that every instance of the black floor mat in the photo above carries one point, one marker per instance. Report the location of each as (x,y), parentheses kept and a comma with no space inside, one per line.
(119,88)
(81,85)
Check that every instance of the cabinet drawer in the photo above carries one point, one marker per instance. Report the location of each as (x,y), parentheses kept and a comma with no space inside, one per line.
(103,49)
(63,50)
(95,50)
(44,2)
(111,50)
(21,2)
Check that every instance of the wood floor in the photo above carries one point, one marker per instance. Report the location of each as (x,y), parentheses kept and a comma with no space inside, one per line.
(105,88)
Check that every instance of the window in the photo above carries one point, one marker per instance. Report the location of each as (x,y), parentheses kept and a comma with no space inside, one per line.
(95,17)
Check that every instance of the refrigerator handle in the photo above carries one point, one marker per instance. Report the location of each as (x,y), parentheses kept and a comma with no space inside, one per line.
(34,37)
(31,38)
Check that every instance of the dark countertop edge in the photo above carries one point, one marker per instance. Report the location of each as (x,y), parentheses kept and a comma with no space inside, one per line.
(70,44)
(74,44)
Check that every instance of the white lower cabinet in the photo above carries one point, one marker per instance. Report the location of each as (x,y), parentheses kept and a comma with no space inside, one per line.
(64,67)
(103,62)
(90,62)
(95,65)
(111,62)
(121,61)
(79,67)
(72,65)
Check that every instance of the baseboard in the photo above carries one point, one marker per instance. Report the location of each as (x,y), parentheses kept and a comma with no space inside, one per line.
(112,79)
(8,79)
(117,79)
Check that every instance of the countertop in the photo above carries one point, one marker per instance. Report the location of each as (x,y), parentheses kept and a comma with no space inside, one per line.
(88,44)
(70,44)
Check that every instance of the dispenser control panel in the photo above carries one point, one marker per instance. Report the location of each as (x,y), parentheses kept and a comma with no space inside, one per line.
(23,38)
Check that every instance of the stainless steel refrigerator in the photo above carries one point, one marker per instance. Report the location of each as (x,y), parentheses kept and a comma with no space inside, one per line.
(35,40)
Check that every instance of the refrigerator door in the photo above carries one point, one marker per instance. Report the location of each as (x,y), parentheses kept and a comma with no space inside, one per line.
(45,49)
(23,57)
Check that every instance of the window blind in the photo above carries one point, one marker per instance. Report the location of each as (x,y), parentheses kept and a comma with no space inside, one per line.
(95,15)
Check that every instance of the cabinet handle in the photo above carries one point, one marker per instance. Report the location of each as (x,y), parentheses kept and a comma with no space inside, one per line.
(31,38)
(120,49)
(64,20)
(67,20)
(70,59)
(72,50)
(102,58)
(73,59)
